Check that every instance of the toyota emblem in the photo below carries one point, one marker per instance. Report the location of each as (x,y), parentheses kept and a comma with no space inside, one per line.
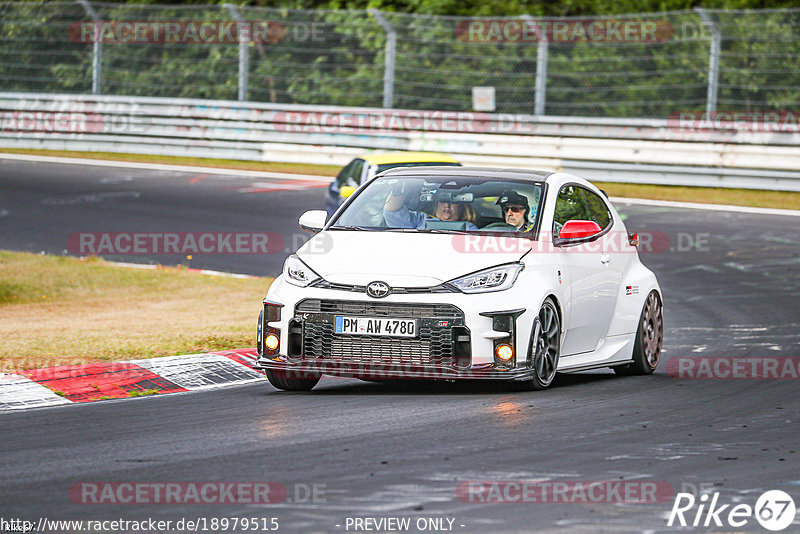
(378,289)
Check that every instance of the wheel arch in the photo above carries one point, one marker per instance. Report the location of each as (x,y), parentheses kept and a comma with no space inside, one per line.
(559,312)
(535,383)
(628,307)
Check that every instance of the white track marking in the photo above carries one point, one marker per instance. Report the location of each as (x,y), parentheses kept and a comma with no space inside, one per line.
(163,167)
(18,392)
(708,207)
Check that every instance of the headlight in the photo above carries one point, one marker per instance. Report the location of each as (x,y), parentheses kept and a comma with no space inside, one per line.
(298,273)
(494,279)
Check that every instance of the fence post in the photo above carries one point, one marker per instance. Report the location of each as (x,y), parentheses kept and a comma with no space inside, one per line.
(540,95)
(243,34)
(388,67)
(541,77)
(97,50)
(713,60)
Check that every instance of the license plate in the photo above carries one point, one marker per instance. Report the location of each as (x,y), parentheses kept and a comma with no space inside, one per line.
(375,326)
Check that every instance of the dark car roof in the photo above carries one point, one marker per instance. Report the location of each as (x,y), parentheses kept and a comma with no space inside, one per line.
(483,172)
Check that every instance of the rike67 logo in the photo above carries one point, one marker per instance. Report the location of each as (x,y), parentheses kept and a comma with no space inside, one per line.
(774,510)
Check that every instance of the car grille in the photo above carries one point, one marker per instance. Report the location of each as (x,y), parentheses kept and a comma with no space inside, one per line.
(434,345)
(441,288)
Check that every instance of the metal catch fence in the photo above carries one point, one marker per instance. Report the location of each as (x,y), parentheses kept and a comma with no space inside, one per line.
(630,66)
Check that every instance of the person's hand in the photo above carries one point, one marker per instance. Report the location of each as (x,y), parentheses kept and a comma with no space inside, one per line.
(397,197)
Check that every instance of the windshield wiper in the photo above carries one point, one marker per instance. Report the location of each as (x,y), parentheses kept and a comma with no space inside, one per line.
(362,228)
(431,230)
(442,231)
(427,230)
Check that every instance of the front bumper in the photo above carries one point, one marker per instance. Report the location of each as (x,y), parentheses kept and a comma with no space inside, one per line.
(305,369)
(458,335)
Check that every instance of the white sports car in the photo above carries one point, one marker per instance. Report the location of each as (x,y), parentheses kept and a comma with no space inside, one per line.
(462,273)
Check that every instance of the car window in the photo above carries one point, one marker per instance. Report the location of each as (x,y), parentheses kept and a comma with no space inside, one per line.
(570,205)
(597,209)
(475,201)
(344,174)
(351,174)
(357,172)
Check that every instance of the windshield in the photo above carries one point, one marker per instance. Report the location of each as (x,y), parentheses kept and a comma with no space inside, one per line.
(438,204)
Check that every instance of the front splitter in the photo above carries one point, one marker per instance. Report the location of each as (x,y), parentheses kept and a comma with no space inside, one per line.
(378,371)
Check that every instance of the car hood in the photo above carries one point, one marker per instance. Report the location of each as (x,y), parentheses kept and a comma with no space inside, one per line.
(403,259)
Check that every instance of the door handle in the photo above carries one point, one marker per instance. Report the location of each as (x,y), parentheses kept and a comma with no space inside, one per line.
(605,260)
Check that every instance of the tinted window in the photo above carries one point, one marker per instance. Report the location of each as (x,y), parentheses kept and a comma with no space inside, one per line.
(351,174)
(344,174)
(357,172)
(570,205)
(597,209)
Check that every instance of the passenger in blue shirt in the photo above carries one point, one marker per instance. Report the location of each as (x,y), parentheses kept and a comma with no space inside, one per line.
(397,214)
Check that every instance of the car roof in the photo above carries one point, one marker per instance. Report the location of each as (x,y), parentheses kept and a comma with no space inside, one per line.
(481,172)
(381,158)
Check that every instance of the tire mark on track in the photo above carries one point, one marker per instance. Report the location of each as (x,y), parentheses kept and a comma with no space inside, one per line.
(90,198)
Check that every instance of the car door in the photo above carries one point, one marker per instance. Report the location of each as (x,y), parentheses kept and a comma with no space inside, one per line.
(590,277)
(616,252)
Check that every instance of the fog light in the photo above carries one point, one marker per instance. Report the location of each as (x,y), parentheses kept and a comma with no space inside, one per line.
(271,342)
(504,352)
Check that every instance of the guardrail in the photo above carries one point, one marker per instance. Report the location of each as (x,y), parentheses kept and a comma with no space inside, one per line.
(718,154)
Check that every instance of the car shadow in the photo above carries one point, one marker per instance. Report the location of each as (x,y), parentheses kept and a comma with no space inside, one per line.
(333,386)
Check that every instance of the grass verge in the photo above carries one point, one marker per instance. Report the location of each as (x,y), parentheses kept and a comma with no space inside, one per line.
(753,198)
(57,310)
(707,195)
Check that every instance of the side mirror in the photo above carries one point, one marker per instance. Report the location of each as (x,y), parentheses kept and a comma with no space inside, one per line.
(313,220)
(346,190)
(578,229)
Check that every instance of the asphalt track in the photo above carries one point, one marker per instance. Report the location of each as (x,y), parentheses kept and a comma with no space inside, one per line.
(401,450)
(46,203)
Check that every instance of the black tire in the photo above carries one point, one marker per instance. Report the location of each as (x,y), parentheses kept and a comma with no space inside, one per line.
(279,379)
(649,339)
(544,349)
